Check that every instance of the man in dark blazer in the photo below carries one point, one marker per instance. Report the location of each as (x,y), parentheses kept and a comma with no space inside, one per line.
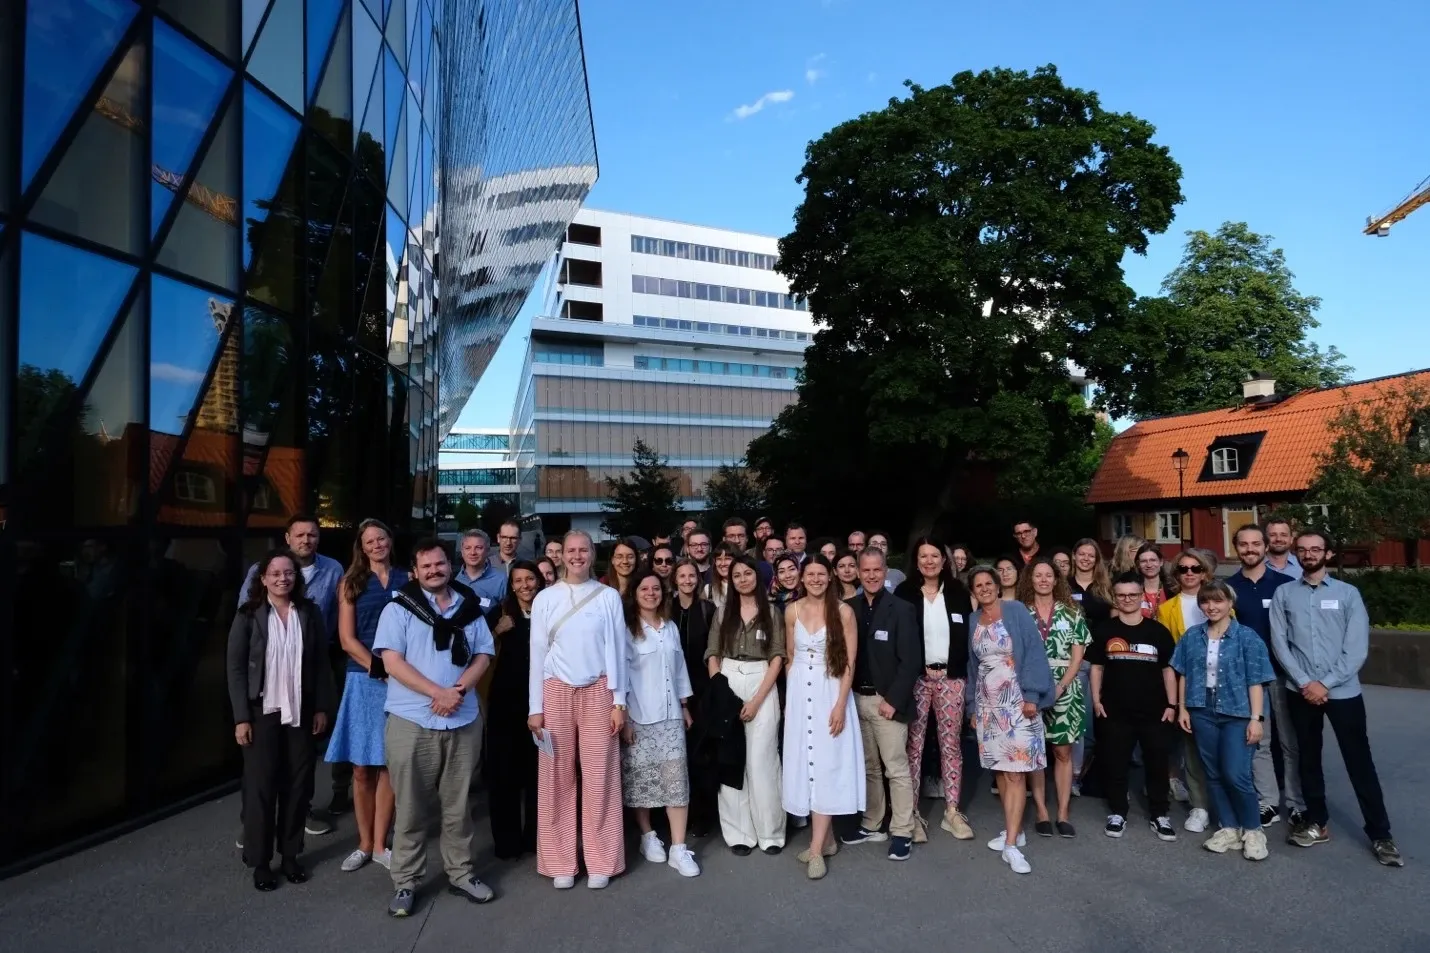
(889,660)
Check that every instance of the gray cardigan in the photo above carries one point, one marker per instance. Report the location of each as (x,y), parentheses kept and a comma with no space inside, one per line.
(247,657)
(1030,658)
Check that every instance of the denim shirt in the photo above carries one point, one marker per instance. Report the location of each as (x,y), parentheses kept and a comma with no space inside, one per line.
(1243,662)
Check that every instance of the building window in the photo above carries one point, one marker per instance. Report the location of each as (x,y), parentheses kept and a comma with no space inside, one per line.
(1169,526)
(568,352)
(495,476)
(477,441)
(1224,461)
(644,245)
(645,284)
(583,310)
(646,362)
(578,271)
(1121,525)
(1231,456)
(194,487)
(584,234)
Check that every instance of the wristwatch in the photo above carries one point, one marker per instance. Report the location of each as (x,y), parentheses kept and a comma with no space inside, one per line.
(1260,717)
(619,707)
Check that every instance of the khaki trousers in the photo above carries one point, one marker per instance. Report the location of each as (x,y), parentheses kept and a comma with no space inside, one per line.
(886,756)
(424,763)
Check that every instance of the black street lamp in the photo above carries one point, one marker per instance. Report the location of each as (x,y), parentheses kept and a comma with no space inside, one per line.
(1179,462)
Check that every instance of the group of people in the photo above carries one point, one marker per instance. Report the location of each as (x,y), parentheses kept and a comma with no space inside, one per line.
(747,684)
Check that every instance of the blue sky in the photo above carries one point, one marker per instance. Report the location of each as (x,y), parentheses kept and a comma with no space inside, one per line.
(1299,118)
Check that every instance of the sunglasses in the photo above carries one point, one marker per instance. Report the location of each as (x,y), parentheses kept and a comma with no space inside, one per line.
(1189,570)
(663,561)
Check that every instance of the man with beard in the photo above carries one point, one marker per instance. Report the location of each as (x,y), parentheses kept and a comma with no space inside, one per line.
(1278,549)
(1255,585)
(1320,634)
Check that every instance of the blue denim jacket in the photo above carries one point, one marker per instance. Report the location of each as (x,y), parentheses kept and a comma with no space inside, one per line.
(1243,662)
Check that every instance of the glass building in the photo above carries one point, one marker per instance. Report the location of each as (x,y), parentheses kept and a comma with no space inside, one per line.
(224,299)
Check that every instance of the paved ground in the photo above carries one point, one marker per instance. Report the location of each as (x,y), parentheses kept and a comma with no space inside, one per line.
(179,885)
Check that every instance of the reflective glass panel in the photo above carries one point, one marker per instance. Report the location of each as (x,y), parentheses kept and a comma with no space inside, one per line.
(273,469)
(277,60)
(270,198)
(107,472)
(394,87)
(214,21)
(188,84)
(203,241)
(253,11)
(397,30)
(188,325)
(322,21)
(66,44)
(332,110)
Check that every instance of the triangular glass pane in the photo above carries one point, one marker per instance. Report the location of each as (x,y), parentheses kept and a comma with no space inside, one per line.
(369,147)
(396,31)
(394,86)
(66,44)
(273,471)
(414,132)
(322,19)
(277,60)
(213,21)
(253,11)
(108,471)
(188,326)
(97,190)
(396,283)
(414,55)
(417,58)
(203,241)
(397,177)
(188,84)
(430,98)
(374,7)
(327,180)
(332,110)
(269,134)
(367,55)
(331,284)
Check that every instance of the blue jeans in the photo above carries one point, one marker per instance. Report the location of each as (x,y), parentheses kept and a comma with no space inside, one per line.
(1221,741)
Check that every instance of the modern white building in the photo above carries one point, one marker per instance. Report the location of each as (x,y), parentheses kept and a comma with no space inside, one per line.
(680,335)
(475,463)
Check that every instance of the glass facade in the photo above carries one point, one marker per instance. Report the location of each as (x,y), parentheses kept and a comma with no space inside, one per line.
(493,442)
(714,327)
(219,277)
(645,245)
(671,288)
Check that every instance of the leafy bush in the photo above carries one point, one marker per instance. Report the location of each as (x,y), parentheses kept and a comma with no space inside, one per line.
(1394,595)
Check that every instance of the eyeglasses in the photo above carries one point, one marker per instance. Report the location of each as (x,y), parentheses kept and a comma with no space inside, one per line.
(509,539)
(1309,551)
(1023,532)
(1189,570)
(1129,596)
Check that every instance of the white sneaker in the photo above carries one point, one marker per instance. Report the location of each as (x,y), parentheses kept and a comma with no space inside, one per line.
(383,858)
(1253,845)
(1197,821)
(1179,791)
(1014,858)
(597,881)
(563,883)
(998,844)
(651,848)
(683,861)
(355,861)
(1225,839)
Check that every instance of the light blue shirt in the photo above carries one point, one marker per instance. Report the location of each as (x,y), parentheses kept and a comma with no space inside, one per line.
(326,573)
(1292,567)
(1321,633)
(402,632)
(490,584)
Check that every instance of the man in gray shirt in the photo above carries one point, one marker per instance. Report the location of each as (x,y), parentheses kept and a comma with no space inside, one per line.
(1321,635)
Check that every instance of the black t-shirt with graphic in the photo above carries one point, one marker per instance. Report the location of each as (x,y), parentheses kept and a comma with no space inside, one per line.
(1132,658)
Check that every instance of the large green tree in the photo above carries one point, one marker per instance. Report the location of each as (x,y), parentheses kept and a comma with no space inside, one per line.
(958,248)
(645,502)
(732,491)
(1228,310)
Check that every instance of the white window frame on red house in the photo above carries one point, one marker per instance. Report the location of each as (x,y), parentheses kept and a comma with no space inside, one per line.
(1166,516)
(1225,461)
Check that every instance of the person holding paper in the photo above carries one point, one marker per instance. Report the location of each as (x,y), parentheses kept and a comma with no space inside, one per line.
(941,605)
(577,686)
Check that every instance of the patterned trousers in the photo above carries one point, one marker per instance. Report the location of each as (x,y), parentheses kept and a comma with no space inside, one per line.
(579,723)
(944,696)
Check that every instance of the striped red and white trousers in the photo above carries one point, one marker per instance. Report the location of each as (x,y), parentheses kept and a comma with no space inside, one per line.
(579,723)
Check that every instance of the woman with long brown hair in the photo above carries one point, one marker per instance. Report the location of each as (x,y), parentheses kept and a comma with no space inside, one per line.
(717,589)
(1158,584)
(624,557)
(846,575)
(366,589)
(510,755)
(820,718)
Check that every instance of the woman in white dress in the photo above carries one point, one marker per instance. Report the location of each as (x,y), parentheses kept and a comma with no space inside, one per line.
(824,754)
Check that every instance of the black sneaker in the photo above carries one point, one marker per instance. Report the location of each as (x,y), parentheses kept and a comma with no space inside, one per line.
(316,826)
(1387,853)
(901,847)
(1163,828)
(1269,816)
(341,803)
(1065,829)
(401,905)
(1116,824)
(1043,828)
(864,835)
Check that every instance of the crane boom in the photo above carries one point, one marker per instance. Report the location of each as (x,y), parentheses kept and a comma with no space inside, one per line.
(1380,225)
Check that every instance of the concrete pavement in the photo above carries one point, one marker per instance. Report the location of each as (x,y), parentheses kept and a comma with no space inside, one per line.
(179,885)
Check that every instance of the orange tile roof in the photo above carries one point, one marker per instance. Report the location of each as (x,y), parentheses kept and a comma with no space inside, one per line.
(1138,464)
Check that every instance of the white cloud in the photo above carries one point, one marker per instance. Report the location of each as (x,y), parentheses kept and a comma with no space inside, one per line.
(812,72)
(175,374)
(776,96)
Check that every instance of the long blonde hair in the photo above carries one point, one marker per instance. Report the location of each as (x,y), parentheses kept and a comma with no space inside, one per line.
(1124,554)
(1101,579)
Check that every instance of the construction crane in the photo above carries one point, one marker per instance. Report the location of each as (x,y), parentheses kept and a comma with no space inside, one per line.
(1379,225)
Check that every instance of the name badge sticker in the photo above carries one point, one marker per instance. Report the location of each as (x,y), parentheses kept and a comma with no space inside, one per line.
(1077,596)
(1061,627)
(759,635)
(882,635)
(1330,603)
(1266,603)
(1146,605)
(955,617)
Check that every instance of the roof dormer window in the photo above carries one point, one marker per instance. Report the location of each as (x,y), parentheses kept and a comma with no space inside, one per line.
(1225,462)
(1230,457)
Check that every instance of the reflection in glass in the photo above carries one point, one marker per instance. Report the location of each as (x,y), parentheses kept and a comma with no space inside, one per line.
(394,87)
(107,461)
(322,20)
(277,59)
(188,326)
(67,42)
(203,241)
(253,11)
(213,21)
(270,199)
(397,29)
(332,109)
(97,190)
(188,84)
(366,52)
(273,471)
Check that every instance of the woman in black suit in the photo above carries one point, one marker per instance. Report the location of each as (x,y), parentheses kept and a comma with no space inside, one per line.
(280,687)
(511,754)
(692,616)
(941,604)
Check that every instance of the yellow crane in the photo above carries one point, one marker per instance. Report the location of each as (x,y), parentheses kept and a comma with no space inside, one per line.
(1379,225)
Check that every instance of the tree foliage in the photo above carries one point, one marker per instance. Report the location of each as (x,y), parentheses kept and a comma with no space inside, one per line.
(647,501)
(1228,310)
(958,248)
(1375,475)
(733,491)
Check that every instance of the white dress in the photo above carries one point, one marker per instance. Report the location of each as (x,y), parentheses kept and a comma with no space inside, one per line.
(822,774)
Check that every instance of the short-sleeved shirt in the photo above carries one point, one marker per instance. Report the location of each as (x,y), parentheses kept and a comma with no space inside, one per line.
(1133,658)
(1253,604)
(758,640)
(400,630)
(369,606)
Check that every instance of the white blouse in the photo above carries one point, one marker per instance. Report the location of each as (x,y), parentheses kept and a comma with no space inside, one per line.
(658,677)
(589,644)
(936,631)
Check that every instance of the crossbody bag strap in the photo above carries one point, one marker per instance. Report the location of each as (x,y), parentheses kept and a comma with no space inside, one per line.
(566,616)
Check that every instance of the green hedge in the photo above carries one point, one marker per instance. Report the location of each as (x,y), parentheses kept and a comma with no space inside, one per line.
(1394,595)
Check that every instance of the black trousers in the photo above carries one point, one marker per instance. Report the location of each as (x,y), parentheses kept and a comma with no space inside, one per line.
(277,788)
(1116,737)
(1347,718)
(511,782)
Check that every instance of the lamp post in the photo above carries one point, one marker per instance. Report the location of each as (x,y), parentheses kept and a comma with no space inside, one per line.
(1179,463)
